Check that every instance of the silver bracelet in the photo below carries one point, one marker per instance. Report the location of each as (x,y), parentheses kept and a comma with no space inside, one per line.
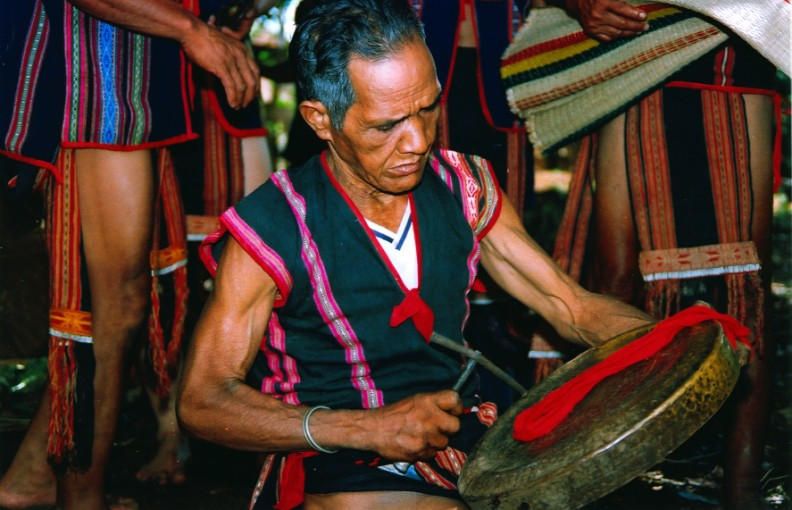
(307,431)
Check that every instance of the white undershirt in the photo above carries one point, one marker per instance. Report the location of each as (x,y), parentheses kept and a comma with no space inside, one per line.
(399,246)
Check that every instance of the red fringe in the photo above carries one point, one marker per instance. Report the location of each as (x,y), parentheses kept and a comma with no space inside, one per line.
(63,381)
(662,298)
(570,243)
(63,244)
(745,288)
(165,355)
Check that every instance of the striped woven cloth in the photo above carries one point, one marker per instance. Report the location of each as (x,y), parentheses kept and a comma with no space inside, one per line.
(564,83)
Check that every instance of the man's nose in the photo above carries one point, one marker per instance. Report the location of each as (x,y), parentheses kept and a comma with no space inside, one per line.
(417,136)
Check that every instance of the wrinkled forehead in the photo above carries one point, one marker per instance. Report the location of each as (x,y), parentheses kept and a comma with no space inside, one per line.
(408,70)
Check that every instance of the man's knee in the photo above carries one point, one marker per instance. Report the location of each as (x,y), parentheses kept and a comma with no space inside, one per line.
(135,290)
(123,297)
(381,499)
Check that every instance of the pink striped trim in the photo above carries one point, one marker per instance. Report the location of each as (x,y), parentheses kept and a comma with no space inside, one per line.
(274,349)
(28,80)
(451,460)
(82,102)
(144,93)
(325,302)
(469,187)
(432,476)
(128,66)
(266,469)
(475,253)
(472,265)
(487,413)
(266,257)
(67,44)
(442,172)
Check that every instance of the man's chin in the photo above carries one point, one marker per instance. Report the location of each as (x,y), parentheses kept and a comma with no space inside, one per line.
(405,184)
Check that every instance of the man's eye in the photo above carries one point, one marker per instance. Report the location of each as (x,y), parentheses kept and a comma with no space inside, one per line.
(386,127)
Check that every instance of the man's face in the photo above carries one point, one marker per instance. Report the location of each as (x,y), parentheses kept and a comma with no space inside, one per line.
(388,131)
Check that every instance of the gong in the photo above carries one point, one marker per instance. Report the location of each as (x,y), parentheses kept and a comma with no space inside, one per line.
(628,423)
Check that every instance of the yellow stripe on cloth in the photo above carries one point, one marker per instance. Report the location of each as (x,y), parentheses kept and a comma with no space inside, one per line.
(566,52)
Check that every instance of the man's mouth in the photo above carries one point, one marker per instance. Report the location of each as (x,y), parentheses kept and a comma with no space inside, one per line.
(407,168)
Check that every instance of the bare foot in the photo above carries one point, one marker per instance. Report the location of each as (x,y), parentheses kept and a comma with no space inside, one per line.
(25,484)
(31,493)
(29,480)
(122,503)
(167,466)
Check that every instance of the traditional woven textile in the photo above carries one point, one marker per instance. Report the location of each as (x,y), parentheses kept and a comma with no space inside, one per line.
(650,179)
(563,83)
(70,352)
(168,257)
(223,170)
(698,261)
(764,24)
(79,82)
(672,250)
(496,24)
(71,360)
(223,182)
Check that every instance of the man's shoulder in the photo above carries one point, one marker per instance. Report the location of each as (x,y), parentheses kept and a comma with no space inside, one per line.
(451,165)
(471,179)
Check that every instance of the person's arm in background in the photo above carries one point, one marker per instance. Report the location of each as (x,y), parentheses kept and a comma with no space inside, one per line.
(208,47)
(604,20)
(522,269)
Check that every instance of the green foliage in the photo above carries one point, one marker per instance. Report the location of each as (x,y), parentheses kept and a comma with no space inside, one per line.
(21,384)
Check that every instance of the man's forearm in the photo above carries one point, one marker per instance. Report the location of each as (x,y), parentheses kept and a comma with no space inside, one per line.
(237,416)
(522,269)
(602,317)
(162,18)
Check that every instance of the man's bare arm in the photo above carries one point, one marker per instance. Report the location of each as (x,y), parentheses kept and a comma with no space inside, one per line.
(605,20)
(216,404)
(218,53)
(521,268)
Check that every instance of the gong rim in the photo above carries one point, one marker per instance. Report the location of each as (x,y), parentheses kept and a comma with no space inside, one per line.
(515,478)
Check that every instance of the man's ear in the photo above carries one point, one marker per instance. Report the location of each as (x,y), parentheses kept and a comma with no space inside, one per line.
(316,115)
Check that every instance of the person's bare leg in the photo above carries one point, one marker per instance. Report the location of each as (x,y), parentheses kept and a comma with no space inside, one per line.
(384,500)
(615,261)
(116,199)
(746,437)
(166,467)
(29,481)
(257,162)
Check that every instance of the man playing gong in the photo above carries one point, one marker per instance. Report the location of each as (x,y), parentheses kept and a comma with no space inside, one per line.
(338,272)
